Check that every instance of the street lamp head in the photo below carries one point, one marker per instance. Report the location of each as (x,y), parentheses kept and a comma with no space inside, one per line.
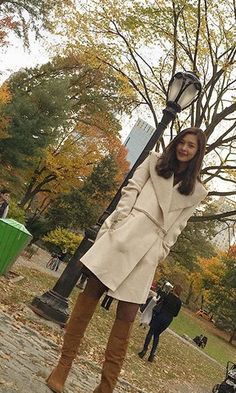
(184,88)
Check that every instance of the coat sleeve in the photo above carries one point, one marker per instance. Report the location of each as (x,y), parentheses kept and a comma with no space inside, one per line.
(130,192)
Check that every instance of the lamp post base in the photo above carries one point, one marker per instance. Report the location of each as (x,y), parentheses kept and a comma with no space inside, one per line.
(51,306)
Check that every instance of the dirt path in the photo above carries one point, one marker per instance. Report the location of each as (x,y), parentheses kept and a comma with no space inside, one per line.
(38,262)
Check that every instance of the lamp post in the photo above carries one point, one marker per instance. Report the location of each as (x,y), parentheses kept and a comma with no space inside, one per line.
(184,88)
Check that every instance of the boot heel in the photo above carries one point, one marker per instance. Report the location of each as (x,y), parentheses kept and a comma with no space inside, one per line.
(56,380)
(50,386)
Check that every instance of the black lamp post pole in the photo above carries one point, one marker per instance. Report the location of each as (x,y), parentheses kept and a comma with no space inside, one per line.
(53,304)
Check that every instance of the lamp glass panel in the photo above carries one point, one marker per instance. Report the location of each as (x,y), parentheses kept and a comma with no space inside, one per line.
(174,89)
(187,96)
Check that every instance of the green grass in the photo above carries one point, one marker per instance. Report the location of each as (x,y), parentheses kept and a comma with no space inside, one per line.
(217,346)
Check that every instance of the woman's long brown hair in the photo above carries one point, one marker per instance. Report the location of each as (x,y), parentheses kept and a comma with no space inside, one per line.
(177,289)
(168,163)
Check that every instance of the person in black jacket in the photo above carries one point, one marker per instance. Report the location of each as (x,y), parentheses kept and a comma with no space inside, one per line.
(4,202)
(161,319)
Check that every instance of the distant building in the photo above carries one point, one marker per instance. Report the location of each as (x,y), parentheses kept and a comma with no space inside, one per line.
(137,140)
(225,234)
(222,240)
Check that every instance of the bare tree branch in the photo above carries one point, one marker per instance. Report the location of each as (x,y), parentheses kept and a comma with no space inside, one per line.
(220,140)
(215,167)
(221,193)
(219,117)
(213,216)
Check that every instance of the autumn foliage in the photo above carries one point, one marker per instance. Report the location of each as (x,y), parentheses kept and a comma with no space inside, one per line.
(6,24)
(5,98)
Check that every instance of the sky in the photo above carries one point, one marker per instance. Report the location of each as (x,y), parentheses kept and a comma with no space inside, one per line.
(15,57)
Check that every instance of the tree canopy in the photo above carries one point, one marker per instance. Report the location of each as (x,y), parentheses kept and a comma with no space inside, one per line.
(81,207)
(35,113)
(220,283)
(25,16)
(63,119)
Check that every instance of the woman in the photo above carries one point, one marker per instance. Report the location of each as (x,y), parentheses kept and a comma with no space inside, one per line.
(153,210)
(170,307)
(146,316)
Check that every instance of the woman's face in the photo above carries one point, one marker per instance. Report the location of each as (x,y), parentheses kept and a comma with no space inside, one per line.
(186,148)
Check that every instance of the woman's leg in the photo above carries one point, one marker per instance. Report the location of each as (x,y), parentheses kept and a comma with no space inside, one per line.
(117,346)
(94,288)
(82,313)
(126,311)
(148,338)
(162,322)
(156,336)
(146,343)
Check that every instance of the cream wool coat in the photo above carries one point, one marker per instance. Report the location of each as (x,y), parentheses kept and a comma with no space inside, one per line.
(140,232)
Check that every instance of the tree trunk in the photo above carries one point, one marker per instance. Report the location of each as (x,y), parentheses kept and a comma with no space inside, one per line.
(28,194)
(32,192)
(190,293)
(232,336)
(202,302)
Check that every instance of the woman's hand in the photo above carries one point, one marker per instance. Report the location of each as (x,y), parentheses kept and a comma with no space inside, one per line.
(116,219)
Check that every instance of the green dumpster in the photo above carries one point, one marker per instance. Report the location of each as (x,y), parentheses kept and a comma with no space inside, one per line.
(14,237)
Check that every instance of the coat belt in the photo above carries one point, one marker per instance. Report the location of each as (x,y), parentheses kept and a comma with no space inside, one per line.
(163,232)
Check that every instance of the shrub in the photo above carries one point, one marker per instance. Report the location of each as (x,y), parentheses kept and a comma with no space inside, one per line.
(16,212)
(64,239)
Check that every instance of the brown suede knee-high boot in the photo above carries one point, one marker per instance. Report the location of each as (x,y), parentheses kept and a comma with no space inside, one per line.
(114,355)
(79,320)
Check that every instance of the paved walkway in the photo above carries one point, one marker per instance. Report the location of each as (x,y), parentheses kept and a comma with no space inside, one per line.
(38,262)
(26,358)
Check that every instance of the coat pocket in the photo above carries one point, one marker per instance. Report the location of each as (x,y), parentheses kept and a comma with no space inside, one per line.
(105,227)
(120,222)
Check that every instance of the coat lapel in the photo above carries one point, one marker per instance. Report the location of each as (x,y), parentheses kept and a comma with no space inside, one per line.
(180,201)
(168,195)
